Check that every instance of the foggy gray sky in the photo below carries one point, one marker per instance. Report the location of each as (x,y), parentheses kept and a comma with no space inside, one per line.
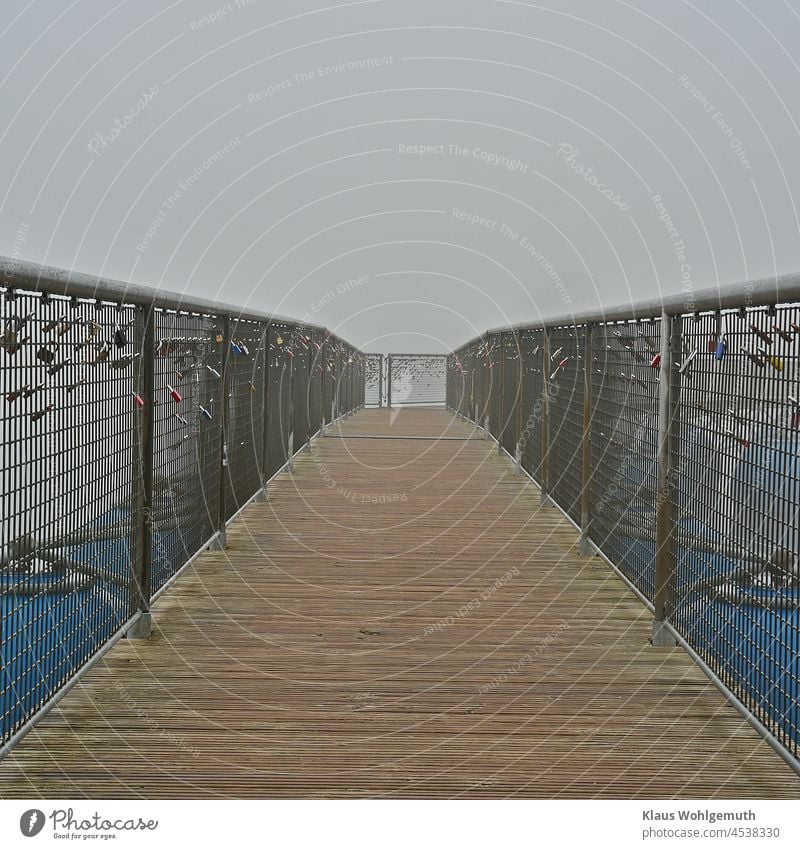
(406,172)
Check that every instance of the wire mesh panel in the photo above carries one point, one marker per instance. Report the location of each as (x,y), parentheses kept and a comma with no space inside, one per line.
(481,380)
(565,410)
(279,396)
(328,364)
(315,381)
(244,415)
(510,390)
(417,379)
(67,411)
(493,384)
(735,502)
(624,446)
(186,438)
(532,400)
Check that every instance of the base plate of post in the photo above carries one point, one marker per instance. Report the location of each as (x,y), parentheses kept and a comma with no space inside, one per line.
(662,636)
(141,629)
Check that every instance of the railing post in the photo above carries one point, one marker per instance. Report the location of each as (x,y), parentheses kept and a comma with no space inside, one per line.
(545,500)
(668,391)
(389,381)
(142,513)
(518,401)
(586,547)
(380,381)
(221,540)
(501,424)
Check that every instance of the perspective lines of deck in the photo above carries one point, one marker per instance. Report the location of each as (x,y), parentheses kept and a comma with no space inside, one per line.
(400,619)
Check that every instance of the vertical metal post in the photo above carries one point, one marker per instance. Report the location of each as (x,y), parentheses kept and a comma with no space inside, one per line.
(518,402)
(380,380)
(546,500)
(668,389)
(142,518)
(389,381)
(586,547)
(501,381)
(223,427)
(292,333)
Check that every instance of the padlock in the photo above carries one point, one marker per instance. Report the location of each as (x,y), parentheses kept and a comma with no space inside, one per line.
(775,361)
(685,365)
(174,394)
(656,361)
(252,386)
(235,348)
(743,441)
(754,357)
(219,337)
(796,413)
(763,335)
(290,353)
(120,337)
(712,344)
(56,367)
(137,399)
(101,354)
(279,340)
(556,352)
(206,413)
(47,353)
(122,362)
(12,396)
(785,335)
(721,348)
(180,418)
(64,326)
(213,371)
(32,390)
(11,343)
(50,326)
(244,349)
(40,414)
(73,386)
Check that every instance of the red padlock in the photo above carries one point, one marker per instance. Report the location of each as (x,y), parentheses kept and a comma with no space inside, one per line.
(174,394)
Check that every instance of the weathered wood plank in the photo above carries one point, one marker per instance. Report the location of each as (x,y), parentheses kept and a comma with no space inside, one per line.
(401,619)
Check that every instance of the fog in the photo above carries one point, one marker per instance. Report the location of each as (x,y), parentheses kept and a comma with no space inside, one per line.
(406,173)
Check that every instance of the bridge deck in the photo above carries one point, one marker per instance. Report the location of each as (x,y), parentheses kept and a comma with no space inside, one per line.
(400,619)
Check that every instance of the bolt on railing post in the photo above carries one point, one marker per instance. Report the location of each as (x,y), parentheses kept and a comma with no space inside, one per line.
(545,500)
(668,391)
(586,547)
(221,537)
(142,503)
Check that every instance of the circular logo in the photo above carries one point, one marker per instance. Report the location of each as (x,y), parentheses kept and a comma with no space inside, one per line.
(31,822)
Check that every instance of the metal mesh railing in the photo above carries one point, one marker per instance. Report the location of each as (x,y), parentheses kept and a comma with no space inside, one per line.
(416,379)
(135,423)
(689,482)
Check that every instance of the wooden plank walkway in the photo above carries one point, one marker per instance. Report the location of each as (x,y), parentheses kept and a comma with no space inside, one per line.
(401,619)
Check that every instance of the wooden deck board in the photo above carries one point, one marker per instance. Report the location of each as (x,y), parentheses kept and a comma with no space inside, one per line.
(401,619)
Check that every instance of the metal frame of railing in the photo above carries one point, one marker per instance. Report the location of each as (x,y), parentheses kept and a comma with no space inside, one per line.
(668,432)
(136,423)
